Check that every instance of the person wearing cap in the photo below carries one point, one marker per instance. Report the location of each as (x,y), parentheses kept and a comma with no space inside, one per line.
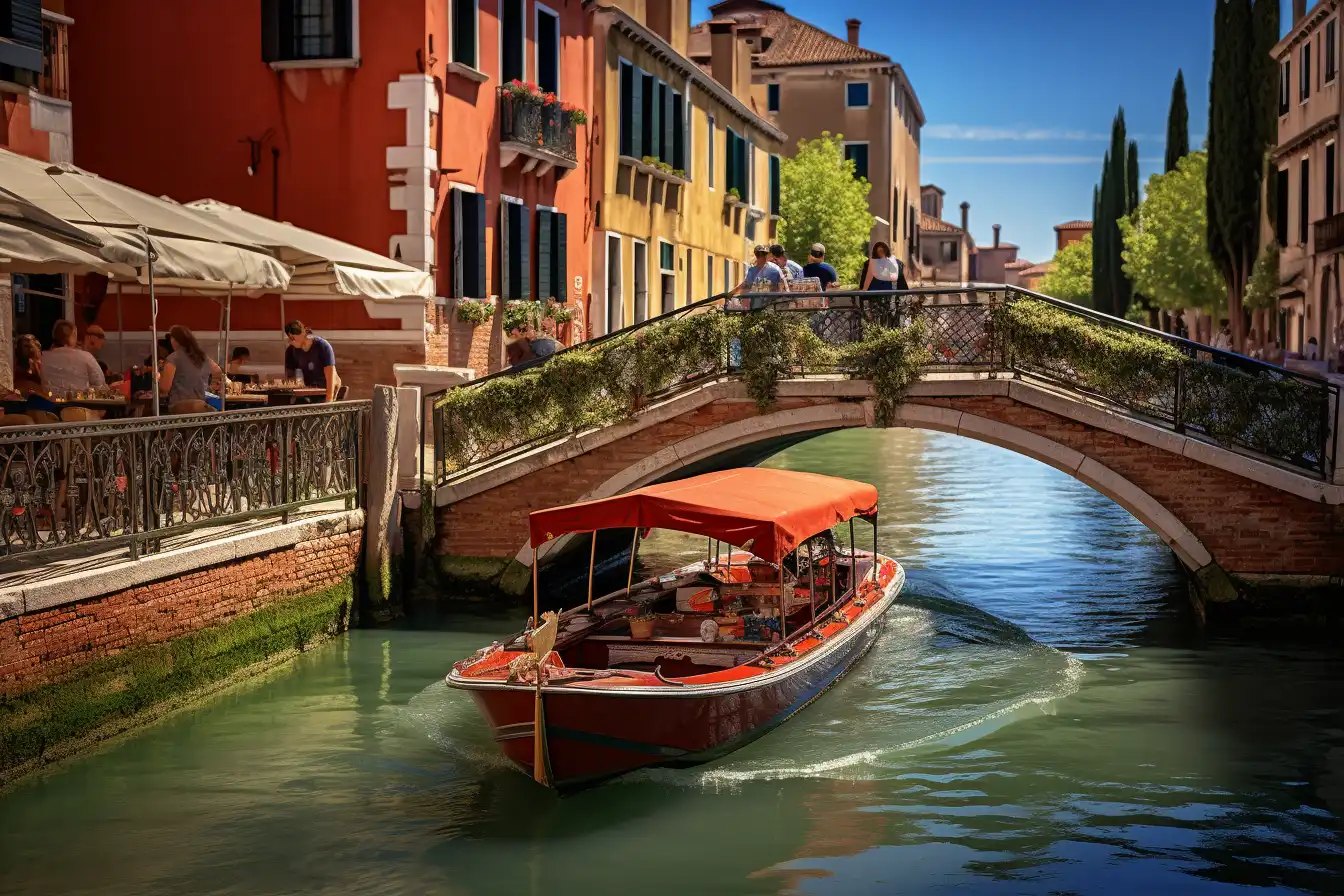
(792,270)
(94,340)
(817,267)
(763,269)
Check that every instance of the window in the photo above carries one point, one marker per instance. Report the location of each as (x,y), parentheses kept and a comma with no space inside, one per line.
(1329,180)
(690,279)
(856,94)
(291,30)
(548,50)
(1304,202)
(728,281)
(641,254)
(667,268)
(772,97)
(649,126)
(468,245)
(512,41)
(552,244)
(736,163)
(1304,75)
(632,108)
(710,156)
(774,185)
(1281,207)
(947,250)
(515,241)
(1331,50)
(678,159)
(709,275)
(1285,85)
(751,173)
(858,154)
(615,304)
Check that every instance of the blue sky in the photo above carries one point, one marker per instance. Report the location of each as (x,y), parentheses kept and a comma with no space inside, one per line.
(1019,96)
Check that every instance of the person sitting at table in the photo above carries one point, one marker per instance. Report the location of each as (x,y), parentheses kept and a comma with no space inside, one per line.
(311,357)
(27,365)
(65,366)
(187,373)
(237,358)
(94,340)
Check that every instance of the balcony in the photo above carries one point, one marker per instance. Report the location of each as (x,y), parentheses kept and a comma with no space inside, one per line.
(1328,234)
(541,134)
(54,80)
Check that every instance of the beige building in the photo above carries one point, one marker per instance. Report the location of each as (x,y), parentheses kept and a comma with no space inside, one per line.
(947,253)
(998,262)
(808,81)
(1304,179)
(685,176)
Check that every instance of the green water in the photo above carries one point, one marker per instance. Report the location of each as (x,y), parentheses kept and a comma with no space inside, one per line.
(1039,716)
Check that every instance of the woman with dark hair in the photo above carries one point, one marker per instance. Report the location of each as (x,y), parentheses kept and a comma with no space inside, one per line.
(27,365)
(187,372)
(882,272)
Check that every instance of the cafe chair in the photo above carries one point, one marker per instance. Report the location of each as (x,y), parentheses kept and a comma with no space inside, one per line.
(45,418)
(80,415)
(16,420)
(191,406)
(341,392)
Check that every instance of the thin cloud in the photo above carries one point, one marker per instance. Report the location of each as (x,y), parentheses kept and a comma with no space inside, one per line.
(992,133)
(1022,160)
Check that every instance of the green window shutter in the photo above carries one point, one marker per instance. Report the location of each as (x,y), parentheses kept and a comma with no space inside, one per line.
(558,252)
(545,286)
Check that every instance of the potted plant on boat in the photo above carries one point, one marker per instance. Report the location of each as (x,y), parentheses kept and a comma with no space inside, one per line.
(641,624)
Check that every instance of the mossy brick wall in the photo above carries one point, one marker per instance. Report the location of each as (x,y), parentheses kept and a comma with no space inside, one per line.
(51,645)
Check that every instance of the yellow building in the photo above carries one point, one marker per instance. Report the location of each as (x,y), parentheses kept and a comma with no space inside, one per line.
(685,175)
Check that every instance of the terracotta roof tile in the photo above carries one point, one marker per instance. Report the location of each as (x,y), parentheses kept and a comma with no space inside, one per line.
(1074,225)
(1020,265)
(792,41)
(1036,269)
(936,225)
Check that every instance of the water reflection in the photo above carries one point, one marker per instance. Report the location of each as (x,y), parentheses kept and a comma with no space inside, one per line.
(1038,716)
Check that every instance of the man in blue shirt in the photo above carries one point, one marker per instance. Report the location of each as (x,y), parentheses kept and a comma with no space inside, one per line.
(311,357)
(763,269)
(817,267)
(792,269)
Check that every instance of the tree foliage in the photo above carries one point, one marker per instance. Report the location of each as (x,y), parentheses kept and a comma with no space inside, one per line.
(1178,124)
(821,201)
(1263,290)
(1117,197)
(1165,241)
(1070,278)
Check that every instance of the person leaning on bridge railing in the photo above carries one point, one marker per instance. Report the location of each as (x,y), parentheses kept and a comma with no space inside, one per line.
(763,276)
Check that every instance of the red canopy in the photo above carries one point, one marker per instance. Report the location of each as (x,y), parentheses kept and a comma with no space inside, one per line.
(773,509)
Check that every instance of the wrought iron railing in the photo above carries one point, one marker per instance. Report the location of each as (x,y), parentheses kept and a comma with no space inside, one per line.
(1217,396)
(1328,233)
(92,487)
(536,124)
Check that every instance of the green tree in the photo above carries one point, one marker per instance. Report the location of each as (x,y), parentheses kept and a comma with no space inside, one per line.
(1116,199)
(1165,240)
(1263,290)
(1070,278)
(821,201)
(1178,124)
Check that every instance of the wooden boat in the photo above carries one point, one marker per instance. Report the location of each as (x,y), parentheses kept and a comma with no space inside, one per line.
(685,667)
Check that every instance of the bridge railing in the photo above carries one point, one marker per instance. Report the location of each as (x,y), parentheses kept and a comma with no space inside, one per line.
(1181,385)
(86,489)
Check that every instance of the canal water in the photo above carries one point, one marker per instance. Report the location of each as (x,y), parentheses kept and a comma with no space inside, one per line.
(1040,715)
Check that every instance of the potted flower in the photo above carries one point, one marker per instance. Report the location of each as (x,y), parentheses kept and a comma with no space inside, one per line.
(471,311)
(641,624)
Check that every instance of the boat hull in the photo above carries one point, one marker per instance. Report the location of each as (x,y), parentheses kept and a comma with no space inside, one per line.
(592,735)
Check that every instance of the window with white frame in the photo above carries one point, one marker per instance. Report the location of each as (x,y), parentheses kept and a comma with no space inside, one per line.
(512,40)
(464,42)
(1331,50)
(548,50)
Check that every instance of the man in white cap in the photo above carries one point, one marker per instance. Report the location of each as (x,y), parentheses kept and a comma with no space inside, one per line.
(817,266)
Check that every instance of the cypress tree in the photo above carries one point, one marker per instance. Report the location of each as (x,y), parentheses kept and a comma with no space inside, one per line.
(1236,151)
(1098,270)
(1178,124)
(1101,274)
(1115,201)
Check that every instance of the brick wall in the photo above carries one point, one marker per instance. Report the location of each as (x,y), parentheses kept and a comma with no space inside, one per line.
(45,646)
(364,366)
(437,329)
(1247,526)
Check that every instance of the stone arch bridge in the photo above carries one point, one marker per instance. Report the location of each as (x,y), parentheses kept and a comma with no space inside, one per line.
(1248,526)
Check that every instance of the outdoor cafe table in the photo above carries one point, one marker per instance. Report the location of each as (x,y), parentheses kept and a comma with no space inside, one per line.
(238,400)
(284,395)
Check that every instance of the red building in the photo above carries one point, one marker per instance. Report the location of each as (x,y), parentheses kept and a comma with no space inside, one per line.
(383,124)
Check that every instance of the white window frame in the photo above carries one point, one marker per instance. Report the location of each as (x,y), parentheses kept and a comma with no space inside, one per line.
(711,155)
(620,277)
(538,10)
(868,144)
(522,39)
(709,274)
(476,5)
(868,92)
(634,282)
(1304,72)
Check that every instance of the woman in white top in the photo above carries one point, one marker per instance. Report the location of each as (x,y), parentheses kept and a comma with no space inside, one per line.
(883,271)
(66,368)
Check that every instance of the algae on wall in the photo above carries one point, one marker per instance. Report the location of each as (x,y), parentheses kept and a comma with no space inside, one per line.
(107,694)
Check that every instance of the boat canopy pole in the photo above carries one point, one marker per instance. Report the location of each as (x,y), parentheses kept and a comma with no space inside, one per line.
(536,615)
(851,546)
(835,561)
(812,582)
(874,547)
(630,579)
(592,561)
(783,622)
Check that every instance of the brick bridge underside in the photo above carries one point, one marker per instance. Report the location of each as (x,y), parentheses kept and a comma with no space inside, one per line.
(1220,512)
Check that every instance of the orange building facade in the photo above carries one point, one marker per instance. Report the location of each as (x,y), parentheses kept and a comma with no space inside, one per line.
(384,124)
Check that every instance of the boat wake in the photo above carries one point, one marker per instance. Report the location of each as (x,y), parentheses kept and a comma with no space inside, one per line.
(942,674)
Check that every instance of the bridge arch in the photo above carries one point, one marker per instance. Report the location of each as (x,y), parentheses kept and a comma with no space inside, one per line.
(789,426)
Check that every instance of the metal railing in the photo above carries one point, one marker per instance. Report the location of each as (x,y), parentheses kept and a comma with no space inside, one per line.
(75,488)
(1328,233)
(1218,396)
(536,124)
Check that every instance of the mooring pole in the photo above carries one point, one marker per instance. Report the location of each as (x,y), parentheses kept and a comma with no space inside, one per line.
(630,579)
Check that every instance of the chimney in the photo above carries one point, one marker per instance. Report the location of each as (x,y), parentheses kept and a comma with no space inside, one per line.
(723,56)
(996,236)
(853,26)
(966,217)
(1299,10)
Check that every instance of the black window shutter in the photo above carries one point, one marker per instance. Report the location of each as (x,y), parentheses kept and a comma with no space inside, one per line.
(628,128)
(524,253)
(477,286)
(270,30)
(729,170)
(636,115)
(678,133)
(459,234)
(668,125)
(506,275)
(559,247)
(464,32)
(742,169)
(345,29)
(545,286)
(653,128)
(774,185)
